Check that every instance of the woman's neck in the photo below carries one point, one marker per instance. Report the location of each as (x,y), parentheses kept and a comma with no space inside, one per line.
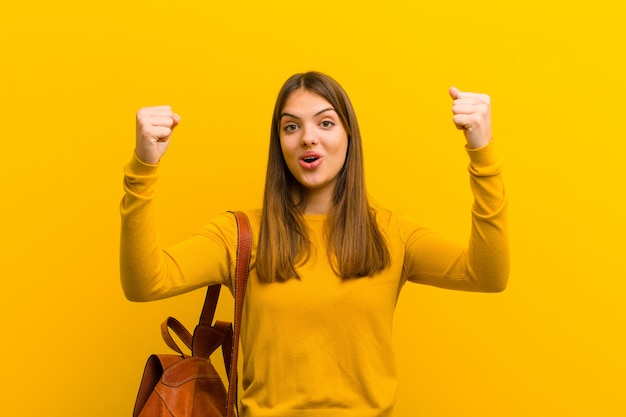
(318,201)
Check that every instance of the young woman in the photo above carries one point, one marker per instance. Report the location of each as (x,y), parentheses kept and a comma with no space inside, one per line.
(327,267)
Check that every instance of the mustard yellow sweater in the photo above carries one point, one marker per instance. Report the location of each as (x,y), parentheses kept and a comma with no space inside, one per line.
(318,346)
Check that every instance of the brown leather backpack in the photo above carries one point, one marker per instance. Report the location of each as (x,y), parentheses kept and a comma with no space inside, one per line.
(179,385)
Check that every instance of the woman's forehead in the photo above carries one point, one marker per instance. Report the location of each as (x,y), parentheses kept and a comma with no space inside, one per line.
(305,100)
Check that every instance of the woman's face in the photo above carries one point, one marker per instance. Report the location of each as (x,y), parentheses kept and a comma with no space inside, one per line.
(313,141)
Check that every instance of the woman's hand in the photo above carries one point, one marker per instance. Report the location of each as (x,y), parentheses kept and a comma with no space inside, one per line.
(154,128)
(472,114)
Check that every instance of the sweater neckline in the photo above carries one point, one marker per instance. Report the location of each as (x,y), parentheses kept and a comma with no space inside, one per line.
(315,217)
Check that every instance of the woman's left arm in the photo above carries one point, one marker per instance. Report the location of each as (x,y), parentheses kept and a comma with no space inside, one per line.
(482,265)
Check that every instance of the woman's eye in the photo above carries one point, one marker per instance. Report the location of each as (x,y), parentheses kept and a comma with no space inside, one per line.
(290,127)
(327,123)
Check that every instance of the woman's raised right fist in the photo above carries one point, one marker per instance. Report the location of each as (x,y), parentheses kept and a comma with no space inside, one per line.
(154,128)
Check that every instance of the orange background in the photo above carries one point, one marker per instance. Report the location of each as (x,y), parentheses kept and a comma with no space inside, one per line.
(74,73)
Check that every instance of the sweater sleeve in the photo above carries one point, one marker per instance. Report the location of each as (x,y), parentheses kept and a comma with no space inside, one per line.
(481,265)
(149,272)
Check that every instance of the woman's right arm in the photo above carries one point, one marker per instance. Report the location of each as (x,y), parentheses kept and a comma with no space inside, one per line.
(148,272)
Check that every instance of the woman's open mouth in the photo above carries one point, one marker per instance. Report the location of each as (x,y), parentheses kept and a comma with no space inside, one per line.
(310,160)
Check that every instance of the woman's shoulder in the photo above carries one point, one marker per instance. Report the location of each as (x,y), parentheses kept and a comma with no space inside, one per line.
(225,223)
(388,220)
(386,215)
(396,221)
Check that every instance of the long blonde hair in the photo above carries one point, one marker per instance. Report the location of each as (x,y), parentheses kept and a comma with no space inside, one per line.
(355,244)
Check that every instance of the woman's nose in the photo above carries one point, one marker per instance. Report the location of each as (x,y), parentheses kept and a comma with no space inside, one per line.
(308,137)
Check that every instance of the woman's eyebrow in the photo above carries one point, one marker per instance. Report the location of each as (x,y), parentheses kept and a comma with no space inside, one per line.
(316,114)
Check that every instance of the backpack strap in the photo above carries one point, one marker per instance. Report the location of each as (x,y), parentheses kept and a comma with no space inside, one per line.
(244,252)
(180,331)
(207,337)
